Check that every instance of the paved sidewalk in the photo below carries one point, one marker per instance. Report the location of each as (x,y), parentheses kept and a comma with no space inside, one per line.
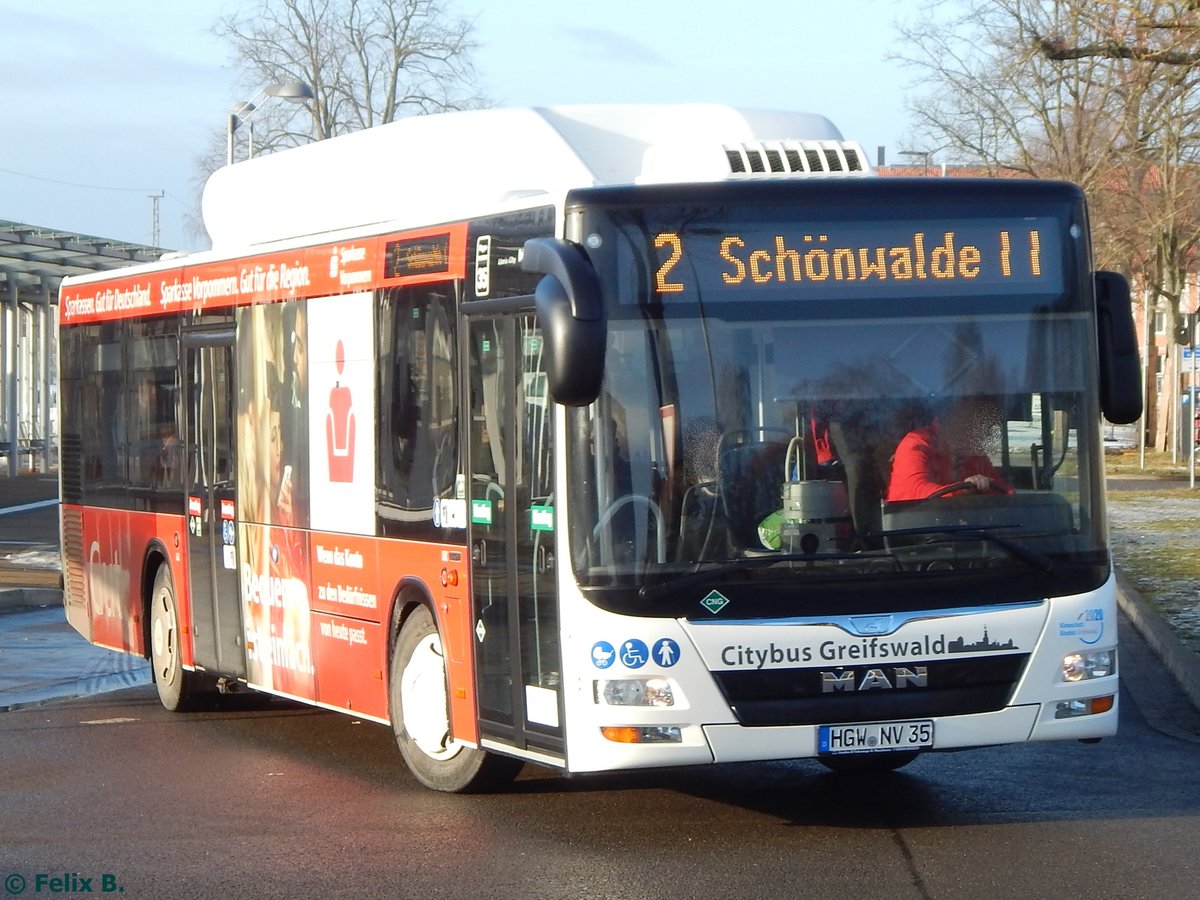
(29,554)
(1148,645)
(42,658)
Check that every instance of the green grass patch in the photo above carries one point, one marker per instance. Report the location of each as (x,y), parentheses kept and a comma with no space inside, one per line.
(1156,544)
(1129,462)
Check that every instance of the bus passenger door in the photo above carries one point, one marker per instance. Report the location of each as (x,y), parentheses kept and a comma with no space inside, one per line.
(514,595)
(212,527)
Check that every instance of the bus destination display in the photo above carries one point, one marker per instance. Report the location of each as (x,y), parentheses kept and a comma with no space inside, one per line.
(417,256)
(792,261)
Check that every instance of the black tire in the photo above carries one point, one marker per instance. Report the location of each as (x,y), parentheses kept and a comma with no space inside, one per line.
(417,701)
(868,763)
(178,689)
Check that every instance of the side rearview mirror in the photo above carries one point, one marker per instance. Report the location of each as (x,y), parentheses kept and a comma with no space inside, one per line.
(1120,367)
(570,312)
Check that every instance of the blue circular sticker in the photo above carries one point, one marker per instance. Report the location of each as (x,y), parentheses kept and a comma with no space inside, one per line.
(603,654)
(666,652)
(634,653)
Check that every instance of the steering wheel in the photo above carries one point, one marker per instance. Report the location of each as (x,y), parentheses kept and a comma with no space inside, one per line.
(659,521)
(952,488)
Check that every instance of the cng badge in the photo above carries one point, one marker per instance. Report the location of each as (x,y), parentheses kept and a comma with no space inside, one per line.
(714,602)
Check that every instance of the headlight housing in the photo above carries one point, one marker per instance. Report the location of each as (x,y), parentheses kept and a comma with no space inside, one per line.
(635,692)
(1083,665)
(1073,709)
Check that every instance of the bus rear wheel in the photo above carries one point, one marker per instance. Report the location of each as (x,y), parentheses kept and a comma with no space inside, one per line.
(868,763)
(420,714)
(178,689)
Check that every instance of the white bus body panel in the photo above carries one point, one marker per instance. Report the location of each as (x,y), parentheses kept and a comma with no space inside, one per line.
(426,170)
(1047,631)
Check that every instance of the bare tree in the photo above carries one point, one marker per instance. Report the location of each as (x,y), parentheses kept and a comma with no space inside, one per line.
(1162,32)
(368,62)
(1094,91)
(986,94)
(1161,169)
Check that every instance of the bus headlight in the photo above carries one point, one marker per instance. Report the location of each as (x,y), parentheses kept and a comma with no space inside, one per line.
(1072,709)
(1081,666)
(635,692)
(654,734)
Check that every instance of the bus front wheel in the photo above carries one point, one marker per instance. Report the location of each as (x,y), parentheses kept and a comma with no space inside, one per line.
(420,714)
(177,688)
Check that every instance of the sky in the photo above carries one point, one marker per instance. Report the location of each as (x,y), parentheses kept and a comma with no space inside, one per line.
(108,103)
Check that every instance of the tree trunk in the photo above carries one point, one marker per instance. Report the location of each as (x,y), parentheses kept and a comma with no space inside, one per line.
(1168,401)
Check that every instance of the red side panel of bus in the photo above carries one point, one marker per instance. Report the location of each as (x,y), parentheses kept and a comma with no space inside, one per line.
(114,548)
(354,582)
(348,627)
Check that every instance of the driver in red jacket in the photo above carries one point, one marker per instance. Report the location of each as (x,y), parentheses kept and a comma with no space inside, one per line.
(945,452)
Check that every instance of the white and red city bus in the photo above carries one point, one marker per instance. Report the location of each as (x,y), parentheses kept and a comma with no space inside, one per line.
(566,435)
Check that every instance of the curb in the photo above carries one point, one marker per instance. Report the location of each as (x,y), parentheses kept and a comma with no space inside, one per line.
(80,688)
(1180,661)
(18,598)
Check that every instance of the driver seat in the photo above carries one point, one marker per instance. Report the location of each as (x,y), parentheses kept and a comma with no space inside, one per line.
(865,479)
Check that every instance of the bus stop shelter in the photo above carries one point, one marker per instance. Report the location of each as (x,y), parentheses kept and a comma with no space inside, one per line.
(33,262)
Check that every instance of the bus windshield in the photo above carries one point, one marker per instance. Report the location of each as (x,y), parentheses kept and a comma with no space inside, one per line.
(814,405)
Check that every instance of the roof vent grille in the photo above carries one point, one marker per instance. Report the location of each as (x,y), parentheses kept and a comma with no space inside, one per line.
(795,158)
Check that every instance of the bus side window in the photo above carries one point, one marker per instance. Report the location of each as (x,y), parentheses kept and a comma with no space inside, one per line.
(417,411)
(94,464)
(153,451)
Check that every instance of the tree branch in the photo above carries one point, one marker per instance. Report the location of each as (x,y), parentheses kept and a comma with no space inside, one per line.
(1057,50)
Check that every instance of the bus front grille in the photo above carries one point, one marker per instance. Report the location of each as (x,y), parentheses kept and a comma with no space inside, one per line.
(864,693)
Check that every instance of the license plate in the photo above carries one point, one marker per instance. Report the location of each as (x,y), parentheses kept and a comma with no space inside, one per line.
(873,737)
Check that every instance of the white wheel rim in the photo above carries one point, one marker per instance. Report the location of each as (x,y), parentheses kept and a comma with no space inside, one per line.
(423,700)
(162,639)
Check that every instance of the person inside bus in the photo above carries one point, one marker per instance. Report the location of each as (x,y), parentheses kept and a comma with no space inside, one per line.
(166,469)
(945,451)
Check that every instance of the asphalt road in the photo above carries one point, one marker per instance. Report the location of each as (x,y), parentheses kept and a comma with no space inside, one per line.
(275,800)
(267,799)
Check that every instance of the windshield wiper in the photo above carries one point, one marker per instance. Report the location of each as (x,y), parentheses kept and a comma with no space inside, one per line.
(744,564)
(1032,558)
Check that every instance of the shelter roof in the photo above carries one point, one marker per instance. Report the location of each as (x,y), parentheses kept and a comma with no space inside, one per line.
(34,259)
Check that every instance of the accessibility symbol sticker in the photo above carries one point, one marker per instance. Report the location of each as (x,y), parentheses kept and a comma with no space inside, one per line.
(714,602)
(666,652)
(634,653)
(603,654)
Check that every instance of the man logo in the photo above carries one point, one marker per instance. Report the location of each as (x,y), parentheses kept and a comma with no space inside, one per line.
(850,680)
(869,625)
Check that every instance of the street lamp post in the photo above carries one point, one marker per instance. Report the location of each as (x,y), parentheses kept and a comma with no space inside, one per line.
(296,91)
(926,156)
(1191,429)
